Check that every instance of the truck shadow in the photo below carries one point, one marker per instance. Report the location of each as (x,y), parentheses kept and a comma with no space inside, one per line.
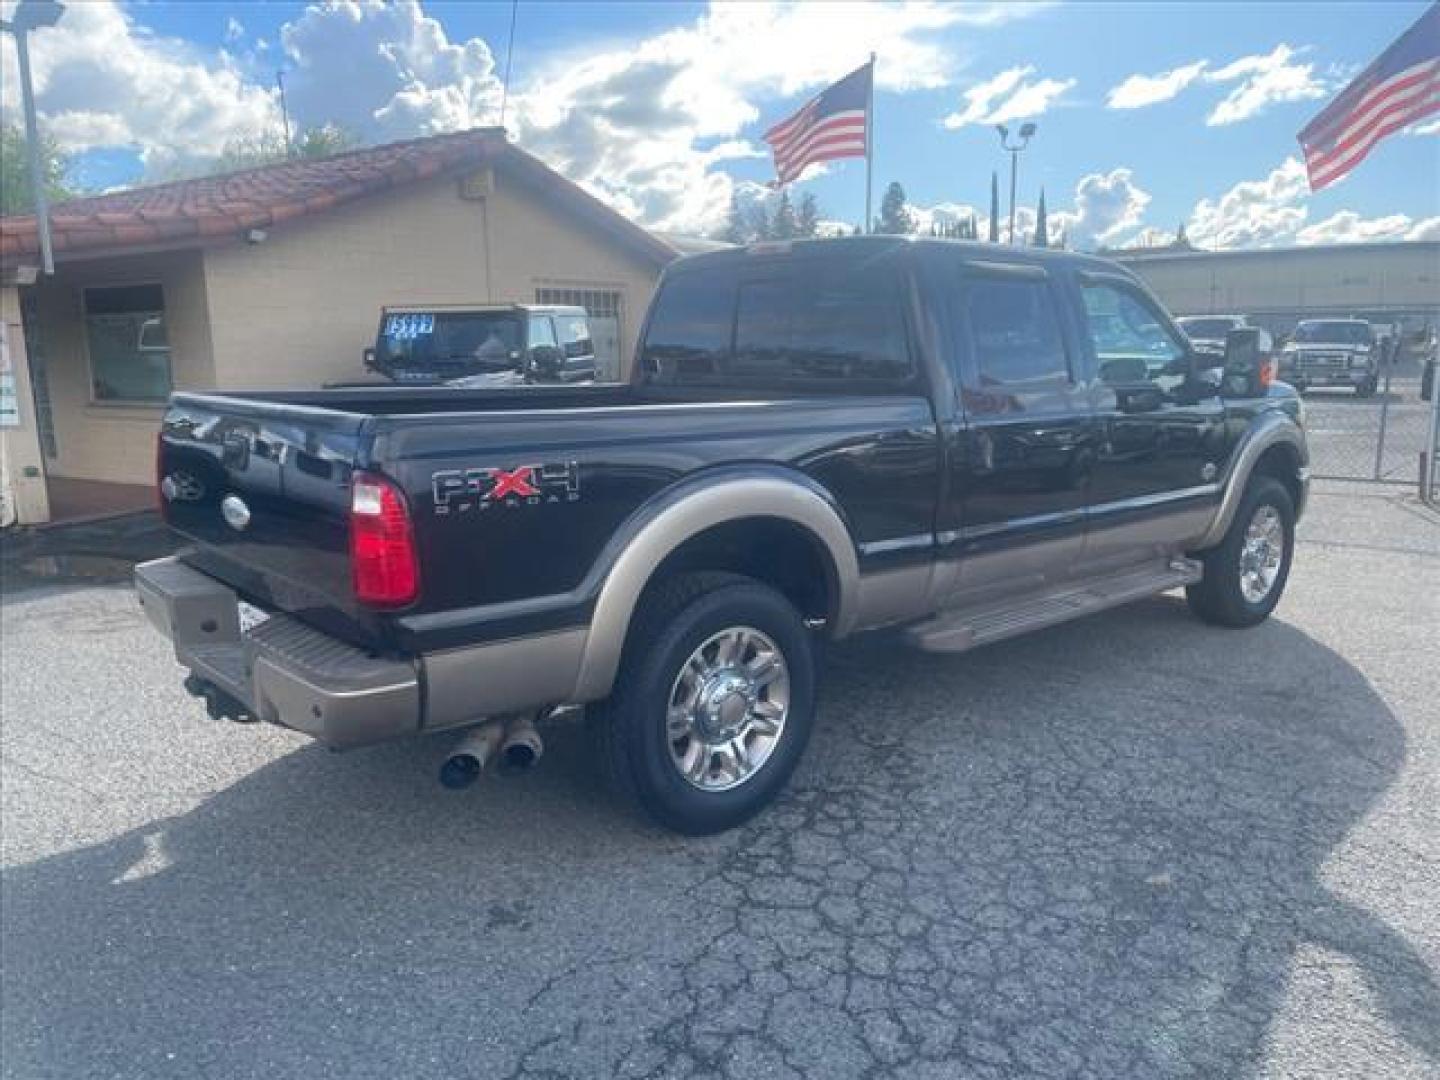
(1098,848)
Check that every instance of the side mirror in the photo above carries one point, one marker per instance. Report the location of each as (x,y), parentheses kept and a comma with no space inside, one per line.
(546,359)
(1249,362)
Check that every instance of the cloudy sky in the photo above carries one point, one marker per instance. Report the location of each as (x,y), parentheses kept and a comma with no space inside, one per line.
(1149,115)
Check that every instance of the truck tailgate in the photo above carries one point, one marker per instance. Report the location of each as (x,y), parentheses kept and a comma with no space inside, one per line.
(262,489)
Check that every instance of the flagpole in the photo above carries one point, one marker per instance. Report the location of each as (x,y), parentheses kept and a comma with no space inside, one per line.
(869,142)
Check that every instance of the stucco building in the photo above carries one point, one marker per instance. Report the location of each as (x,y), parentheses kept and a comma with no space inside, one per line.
(1276,287)
(274,277)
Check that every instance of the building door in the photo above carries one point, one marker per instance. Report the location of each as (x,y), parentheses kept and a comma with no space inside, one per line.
(603,307)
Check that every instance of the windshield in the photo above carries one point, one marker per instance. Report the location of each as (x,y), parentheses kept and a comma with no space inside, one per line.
(425,344)
(1208,329)
(1348,333)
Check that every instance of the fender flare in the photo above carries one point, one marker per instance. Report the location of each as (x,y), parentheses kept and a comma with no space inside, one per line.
(687,511)
(1269,429)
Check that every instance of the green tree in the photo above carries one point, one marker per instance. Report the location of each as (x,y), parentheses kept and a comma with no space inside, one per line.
(807,217)
(736,230)
(994,208)
(895,216)
(266,147)
(16,195)
(759,222)
(1042,231)
(784,226)
(1181,240)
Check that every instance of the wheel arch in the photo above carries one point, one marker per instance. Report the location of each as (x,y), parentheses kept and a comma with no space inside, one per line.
(702,518)
(1274,446)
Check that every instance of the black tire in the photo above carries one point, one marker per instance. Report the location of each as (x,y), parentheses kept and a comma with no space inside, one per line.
(1218,597)
(674,619)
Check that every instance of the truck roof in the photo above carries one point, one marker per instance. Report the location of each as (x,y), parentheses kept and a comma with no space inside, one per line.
(852,247)
(536,309)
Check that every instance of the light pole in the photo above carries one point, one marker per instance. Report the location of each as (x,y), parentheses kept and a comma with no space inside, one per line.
(1027,132)
(34,15)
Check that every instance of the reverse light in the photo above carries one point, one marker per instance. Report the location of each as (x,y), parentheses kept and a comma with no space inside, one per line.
(383,565)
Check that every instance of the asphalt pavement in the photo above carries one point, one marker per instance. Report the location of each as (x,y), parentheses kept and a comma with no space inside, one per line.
(1133,846)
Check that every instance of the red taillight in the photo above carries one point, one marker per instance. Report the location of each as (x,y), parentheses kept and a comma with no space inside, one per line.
(382,543)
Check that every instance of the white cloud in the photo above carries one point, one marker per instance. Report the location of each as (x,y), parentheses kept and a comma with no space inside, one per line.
(1430,127)
(386,71)
(945,213)
(1108,206)
(1348,227)
(1010,95)
(234,30)
(1262,80)
(1253,213)
(644,126)
(102,80)
(1139,91)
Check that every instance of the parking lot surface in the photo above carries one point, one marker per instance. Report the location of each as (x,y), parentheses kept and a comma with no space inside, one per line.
(1133,846)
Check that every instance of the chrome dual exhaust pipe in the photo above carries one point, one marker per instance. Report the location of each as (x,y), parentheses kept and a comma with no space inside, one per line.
(521,748)
(516,742)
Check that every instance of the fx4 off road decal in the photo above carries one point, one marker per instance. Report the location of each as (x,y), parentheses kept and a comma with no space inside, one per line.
(458,491)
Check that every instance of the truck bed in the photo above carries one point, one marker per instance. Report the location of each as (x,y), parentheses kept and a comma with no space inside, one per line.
(510,565)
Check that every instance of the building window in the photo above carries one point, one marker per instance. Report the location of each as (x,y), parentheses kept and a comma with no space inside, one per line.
(129,344)
(603,306)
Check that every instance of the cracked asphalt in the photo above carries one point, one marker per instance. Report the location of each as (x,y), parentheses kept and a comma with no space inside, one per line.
(1134,846)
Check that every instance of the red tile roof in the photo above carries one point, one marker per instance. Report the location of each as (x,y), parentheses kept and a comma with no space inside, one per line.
(229,205)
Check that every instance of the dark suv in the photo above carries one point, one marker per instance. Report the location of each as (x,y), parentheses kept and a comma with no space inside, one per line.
(483,345)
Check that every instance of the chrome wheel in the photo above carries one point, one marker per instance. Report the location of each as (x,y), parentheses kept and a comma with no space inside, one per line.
(727,709)
(1261,553)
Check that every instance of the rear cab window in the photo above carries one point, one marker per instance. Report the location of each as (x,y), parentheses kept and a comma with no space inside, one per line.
(782,323)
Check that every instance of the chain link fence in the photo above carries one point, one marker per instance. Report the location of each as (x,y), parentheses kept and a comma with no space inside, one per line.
(1380,438)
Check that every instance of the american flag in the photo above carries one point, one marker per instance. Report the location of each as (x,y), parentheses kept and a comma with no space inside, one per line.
(1399,88)
(830,125)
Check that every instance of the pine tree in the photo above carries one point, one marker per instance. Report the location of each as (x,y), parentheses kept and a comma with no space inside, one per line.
(807,217)
(1042,231)
(895,216)
(759,228)
(736,227)
(1181,240)
(994,208)
(783,225)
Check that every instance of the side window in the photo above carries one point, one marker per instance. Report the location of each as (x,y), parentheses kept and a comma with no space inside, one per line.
(1131,342)
(847,324)
(575,335)
(1015,337)
(689,333)
(542,331)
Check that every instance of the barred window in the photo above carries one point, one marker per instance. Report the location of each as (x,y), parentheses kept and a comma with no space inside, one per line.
(596,302)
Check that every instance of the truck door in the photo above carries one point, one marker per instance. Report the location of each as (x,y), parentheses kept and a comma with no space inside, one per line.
(1164,445)
(1019,463)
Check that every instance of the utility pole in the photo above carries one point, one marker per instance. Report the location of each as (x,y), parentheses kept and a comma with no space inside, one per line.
(284,113)
(32,15)
(1027,132)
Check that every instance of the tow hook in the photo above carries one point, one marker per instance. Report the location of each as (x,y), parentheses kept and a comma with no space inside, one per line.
(219,704)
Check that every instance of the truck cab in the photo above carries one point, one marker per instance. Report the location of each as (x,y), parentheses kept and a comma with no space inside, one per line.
(483,345)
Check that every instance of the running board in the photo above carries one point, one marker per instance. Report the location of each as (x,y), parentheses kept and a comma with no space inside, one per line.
(969,628)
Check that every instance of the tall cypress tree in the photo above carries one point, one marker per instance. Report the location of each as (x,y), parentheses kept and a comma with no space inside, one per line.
(994,208)
(1042,232)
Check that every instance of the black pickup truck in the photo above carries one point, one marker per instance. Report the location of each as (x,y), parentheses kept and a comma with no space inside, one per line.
(962,442)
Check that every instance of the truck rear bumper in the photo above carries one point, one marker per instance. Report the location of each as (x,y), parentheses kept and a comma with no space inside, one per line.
(283,671)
